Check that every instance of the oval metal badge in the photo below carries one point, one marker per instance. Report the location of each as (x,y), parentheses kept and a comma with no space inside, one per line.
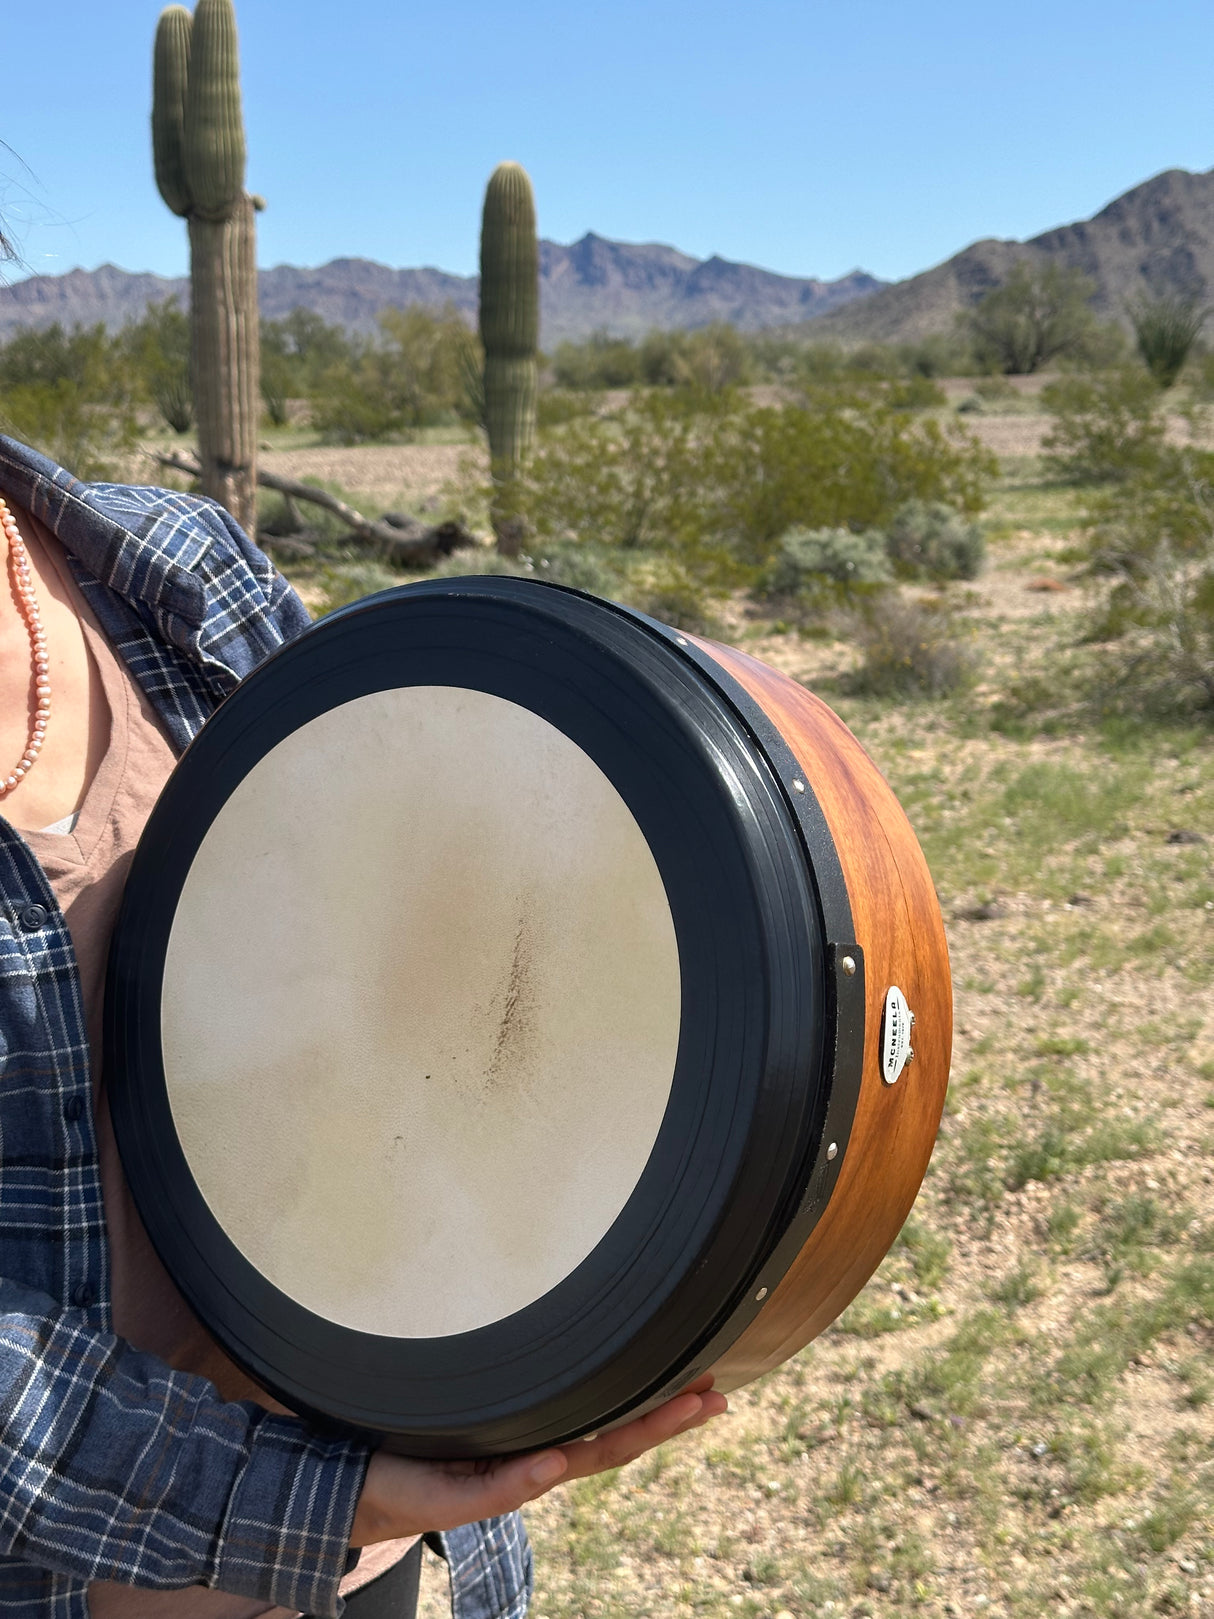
(897,1021)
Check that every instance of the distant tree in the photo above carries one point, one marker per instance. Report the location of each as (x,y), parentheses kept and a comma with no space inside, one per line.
(602,361)
(1039,313)
(1165,330)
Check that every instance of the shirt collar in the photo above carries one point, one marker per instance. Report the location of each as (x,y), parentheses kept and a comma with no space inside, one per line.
(158,576)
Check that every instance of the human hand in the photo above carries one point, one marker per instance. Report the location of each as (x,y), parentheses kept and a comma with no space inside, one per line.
(403,1497)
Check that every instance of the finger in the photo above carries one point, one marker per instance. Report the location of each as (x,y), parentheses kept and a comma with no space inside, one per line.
(700,1385)
(623,1445)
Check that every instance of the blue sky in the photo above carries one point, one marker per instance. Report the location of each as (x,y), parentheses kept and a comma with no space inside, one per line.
(805,137)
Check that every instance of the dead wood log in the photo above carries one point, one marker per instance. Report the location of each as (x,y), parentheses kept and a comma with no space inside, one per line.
(403,542)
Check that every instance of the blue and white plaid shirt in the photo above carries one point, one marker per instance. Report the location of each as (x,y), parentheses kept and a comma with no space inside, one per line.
(112,1465)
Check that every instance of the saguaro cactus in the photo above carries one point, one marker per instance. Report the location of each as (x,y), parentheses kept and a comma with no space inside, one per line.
(199,150)
(510,329)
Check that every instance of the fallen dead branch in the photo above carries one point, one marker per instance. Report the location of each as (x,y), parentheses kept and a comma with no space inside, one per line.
(405,540)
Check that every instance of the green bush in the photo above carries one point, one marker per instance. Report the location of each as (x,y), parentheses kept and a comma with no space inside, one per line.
(415,373)
(602,361)
(911,649)
(1107,427)
(1160,620)
(814,568)
(72,395)
(717,481)
(929,540)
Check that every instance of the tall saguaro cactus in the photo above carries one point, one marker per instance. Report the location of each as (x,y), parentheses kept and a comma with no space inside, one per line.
(199,150)
(510,329)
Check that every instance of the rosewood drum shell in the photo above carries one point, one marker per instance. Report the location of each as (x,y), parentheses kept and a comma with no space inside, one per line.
(898,924)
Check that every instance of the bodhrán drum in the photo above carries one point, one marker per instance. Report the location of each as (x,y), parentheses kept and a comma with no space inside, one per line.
(518,1009)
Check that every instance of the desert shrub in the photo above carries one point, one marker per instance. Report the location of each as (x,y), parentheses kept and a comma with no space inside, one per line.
(414,373)
(158,347)
(1106,427)
(632,482)
(910,649)
(929,540)
(1160,621)
(310,349)
(1149,537)
(816,568)
(845,460)
(1168,502)
(674,595)
(72,395)
(709,360)
(601,361)
(716,481)
(1038,313)
(278,373)
(556,406)
(593,568)
(1165,331)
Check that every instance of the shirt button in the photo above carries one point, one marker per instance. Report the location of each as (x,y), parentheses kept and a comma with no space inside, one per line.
(82,1294)
(33,917)
(73,1108)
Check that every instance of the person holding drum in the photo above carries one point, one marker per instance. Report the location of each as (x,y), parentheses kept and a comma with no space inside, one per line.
(141,1473)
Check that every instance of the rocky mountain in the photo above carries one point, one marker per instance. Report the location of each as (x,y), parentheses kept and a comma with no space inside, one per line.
(593,285)
(1156,238)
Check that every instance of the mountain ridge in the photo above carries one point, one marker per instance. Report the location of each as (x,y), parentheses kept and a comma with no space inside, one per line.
(594,284)
(1156,238)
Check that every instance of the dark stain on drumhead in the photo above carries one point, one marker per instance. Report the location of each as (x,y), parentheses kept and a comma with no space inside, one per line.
(511,1044)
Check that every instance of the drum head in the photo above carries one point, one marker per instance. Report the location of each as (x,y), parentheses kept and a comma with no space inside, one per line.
(466,1017)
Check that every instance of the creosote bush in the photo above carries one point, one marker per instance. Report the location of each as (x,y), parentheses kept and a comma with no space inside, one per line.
(716,480)
(1107,426)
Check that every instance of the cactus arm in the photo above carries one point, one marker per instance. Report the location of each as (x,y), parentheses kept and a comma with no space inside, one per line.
(170,74)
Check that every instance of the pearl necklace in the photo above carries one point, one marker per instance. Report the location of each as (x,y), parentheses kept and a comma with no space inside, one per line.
(27,603)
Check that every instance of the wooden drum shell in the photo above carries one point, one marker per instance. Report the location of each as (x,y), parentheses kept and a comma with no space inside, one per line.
(897,922)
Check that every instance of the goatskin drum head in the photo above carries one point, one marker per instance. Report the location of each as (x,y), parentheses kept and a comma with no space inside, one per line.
(465,1019)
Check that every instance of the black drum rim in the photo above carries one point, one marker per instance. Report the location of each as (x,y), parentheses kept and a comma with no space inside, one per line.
(575,1357)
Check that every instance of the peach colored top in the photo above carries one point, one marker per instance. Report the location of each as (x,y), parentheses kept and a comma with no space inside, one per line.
(87,868)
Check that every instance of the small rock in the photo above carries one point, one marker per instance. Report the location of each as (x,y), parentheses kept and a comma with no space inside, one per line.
(1183,835)
(1039,1449)
(990,911)
(879,1579)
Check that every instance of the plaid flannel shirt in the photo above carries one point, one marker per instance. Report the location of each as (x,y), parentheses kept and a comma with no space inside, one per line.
(112,1465)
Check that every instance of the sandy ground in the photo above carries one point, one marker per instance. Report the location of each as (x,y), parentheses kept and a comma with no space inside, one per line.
(411,474)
